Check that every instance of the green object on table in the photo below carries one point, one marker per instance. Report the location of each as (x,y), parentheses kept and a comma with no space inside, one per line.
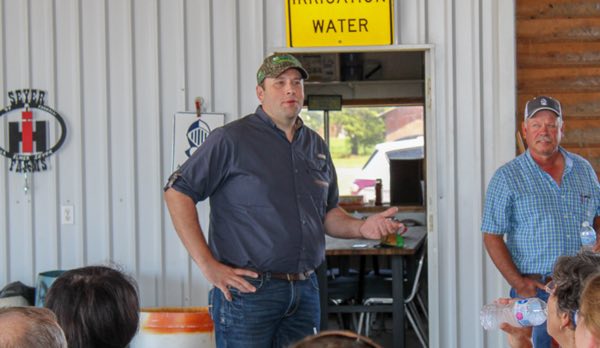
(399,241)
(393,240)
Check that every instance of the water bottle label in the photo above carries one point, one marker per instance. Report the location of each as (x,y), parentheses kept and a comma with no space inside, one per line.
(589,239)
(524,312)
(587,235)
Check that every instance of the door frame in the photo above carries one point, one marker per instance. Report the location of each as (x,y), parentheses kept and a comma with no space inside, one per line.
(431,190)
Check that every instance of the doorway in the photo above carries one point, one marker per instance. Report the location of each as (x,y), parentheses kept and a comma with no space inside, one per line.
(388,78)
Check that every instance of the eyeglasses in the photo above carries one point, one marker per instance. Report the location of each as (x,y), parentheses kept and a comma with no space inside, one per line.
(550,287)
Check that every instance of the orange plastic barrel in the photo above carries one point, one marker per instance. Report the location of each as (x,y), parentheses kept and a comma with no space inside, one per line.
(175,327)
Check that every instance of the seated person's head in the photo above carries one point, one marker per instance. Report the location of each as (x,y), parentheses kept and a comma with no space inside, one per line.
(30,327)
(568,279)
(587,334)
(96,306)
(336,339)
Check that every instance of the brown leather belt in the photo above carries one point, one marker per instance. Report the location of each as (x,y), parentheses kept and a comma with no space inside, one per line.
(539,277)
(290,276)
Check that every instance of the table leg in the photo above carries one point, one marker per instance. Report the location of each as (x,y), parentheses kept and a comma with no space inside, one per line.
(361,278)
(322,278)
(398,306)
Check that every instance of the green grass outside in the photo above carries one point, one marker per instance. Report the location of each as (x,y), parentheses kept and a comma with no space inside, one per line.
(350,162)
(340,151)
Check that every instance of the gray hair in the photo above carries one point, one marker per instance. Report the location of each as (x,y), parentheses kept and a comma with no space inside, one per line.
(559,121)
(570,273)
(37,328)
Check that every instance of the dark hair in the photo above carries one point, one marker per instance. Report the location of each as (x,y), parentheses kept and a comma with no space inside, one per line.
(570,273)
(336,339)
(96,306)
(37,328)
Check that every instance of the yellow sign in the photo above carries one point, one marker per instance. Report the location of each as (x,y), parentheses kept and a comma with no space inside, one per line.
(339,22)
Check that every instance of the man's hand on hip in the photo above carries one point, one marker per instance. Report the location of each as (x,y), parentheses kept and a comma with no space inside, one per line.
(225,277)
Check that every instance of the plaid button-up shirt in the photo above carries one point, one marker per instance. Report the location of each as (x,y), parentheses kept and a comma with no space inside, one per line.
(541,220)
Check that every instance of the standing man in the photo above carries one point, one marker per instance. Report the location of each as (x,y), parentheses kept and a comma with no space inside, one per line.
(539,201)
(273,196)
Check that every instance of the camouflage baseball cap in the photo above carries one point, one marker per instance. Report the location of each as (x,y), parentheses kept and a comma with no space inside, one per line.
(276,64)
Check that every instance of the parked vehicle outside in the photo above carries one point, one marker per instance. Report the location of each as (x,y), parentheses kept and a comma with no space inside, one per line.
(378,166)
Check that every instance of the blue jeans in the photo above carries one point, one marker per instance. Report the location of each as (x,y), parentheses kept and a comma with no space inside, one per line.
(539,336)
(278,314)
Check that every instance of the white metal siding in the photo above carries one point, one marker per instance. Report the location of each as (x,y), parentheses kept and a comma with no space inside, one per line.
(117,70)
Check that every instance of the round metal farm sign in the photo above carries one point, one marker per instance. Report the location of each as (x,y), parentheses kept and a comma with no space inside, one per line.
(33,131)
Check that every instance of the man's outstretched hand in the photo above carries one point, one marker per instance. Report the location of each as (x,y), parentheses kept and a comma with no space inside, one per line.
(380,225)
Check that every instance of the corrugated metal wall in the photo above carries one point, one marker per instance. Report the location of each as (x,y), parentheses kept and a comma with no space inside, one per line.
(117,70)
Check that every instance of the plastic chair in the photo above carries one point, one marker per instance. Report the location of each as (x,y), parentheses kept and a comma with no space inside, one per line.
(377,296)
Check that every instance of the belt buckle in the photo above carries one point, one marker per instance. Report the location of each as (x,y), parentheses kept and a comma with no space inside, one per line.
(289,278)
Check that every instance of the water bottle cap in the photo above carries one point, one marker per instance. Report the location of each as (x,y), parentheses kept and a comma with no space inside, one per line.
(585,223)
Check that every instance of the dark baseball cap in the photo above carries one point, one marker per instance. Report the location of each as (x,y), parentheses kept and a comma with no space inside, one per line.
(542,103)
(276,64)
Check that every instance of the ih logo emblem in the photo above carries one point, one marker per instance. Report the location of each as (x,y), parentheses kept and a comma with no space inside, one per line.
(34,131)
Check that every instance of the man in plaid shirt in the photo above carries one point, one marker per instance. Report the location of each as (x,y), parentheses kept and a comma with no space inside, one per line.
(539,201)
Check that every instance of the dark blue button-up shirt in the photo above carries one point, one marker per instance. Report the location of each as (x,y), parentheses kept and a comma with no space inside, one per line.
(268,197)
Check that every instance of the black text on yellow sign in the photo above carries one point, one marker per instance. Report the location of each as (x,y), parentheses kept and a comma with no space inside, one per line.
(312,23)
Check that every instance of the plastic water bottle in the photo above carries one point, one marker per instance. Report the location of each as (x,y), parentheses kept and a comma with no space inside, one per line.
(524,312)
(587,235)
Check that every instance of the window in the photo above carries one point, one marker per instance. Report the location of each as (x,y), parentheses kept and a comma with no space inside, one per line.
(363,141)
